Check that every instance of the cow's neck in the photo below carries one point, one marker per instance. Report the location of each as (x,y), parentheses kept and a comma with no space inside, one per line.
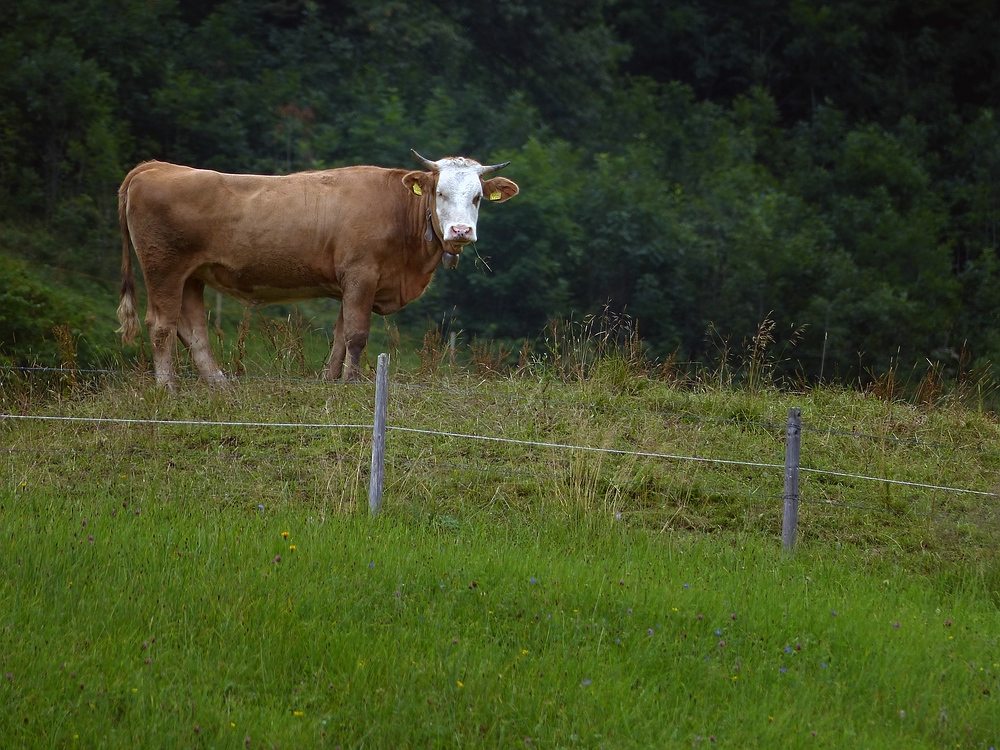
(432,245)
(424,251)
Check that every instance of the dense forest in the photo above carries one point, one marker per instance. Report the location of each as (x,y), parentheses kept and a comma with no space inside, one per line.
(703,165)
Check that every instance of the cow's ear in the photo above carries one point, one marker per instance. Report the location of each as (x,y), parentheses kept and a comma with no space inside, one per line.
(499,189)
(418,183)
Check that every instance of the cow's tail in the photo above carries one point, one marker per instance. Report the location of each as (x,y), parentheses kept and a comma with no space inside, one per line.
(128,312)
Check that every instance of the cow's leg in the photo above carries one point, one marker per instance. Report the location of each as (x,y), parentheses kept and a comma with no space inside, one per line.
(335,364)
(357,312)
(162,313)
(193,332)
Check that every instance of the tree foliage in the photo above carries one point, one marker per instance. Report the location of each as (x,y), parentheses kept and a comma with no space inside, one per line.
(704,166)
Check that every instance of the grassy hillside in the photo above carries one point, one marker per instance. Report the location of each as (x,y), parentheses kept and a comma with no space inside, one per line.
(166,582)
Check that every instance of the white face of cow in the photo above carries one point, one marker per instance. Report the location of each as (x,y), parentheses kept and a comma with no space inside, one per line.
(459,193)
(459,189)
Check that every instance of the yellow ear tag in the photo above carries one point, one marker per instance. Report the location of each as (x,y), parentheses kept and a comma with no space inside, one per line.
(417,190)
(495,195)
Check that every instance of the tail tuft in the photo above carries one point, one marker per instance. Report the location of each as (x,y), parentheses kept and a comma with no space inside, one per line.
(128,315)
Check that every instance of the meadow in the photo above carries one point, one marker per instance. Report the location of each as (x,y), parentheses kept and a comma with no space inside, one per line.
(165,582)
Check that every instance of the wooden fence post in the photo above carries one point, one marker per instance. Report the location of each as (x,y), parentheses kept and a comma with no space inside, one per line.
(378,435)
(793,445)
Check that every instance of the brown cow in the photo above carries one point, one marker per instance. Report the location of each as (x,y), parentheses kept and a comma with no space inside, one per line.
(368,236)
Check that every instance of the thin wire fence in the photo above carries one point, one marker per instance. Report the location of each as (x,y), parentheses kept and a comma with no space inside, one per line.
(537,401)
(546,445)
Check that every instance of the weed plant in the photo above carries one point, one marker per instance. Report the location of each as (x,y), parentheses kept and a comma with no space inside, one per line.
(537,577)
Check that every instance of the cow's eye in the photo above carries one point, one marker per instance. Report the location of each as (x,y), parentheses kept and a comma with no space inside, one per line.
(475,201)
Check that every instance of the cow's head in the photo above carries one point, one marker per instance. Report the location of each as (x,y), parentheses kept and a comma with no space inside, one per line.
(456,188)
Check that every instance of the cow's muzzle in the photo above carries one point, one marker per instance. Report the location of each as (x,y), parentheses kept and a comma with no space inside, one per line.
(460,233)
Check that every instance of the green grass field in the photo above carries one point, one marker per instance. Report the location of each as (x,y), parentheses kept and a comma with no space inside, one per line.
(181,585)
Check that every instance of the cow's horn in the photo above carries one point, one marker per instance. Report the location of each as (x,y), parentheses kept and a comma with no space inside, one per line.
(431,165)
(494,168)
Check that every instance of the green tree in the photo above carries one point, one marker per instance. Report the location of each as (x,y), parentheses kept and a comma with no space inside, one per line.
(889,290)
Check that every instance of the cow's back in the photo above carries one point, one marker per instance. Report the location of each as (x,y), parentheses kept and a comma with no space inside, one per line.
(363,203)
(264,238)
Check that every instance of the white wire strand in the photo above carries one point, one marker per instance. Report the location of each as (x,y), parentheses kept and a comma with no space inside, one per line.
(616,451)
(897,481)
(183,422)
